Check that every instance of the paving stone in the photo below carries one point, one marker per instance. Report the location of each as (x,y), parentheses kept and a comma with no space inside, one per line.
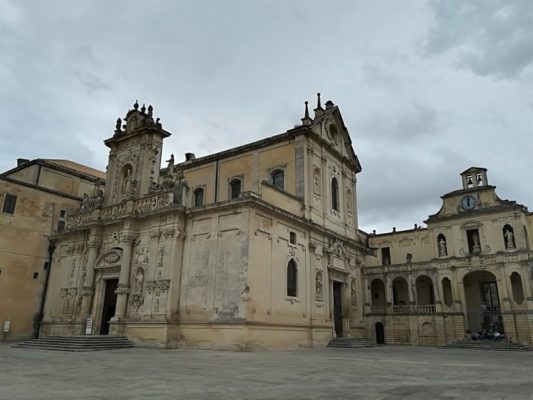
(385,373)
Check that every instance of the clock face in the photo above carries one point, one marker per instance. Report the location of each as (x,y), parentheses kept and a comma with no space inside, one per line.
(468,202)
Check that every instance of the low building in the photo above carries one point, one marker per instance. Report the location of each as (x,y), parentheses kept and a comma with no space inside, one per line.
(36,198)
(469,273)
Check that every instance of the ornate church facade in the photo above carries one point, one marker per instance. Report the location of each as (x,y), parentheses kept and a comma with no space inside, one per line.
(259,247)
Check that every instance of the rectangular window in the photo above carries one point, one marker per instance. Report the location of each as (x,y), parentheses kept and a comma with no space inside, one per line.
(10,200)
(292,237)
(385,255)
(61,222)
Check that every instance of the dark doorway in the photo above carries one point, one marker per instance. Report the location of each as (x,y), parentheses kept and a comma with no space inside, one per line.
(337,308)
(380,333)
(110,302)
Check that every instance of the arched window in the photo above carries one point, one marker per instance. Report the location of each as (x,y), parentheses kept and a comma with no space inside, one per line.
(278,179)
(508,237)
(518,289)
(292,275)
(198,197)
(447,291)
(235,188)
(334,194)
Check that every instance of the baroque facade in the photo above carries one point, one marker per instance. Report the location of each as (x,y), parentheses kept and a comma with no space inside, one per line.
(253,247)
(259,247)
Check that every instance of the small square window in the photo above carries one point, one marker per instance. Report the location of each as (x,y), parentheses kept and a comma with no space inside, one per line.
(292,237)
(10,201)
(61,226)
(35,275)
(62,214)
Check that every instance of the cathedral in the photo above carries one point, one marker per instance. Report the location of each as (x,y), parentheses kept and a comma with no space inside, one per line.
(258,247)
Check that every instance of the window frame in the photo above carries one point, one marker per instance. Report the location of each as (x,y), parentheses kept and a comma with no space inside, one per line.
(232,194)
(195,193)
(292,279)
(12,205)
(335,201)
(274,174)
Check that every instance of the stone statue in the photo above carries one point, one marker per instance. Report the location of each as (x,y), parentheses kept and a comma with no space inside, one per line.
(85,202)
(509,239)
(318,285)
(353,293)
(118,126)
(127,181)
(476,248)
(443,251)
(139,280)
(170,161)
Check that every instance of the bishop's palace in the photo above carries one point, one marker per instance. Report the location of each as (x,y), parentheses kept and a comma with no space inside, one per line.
(253,247)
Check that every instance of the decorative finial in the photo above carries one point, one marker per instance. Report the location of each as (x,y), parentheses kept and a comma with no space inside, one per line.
(143,108)
(136,105)
(158,124)
(150,110)
(318,104)
(306,120)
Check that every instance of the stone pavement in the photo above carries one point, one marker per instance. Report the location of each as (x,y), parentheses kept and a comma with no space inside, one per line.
(388,372)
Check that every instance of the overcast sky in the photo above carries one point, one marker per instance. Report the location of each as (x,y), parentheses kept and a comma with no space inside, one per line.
(426,88)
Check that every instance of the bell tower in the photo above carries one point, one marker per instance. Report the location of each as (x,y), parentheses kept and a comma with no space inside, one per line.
(474,177)
(134,155)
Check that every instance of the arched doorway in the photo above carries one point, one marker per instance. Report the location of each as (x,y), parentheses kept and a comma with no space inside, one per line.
(482,302)
(380,333)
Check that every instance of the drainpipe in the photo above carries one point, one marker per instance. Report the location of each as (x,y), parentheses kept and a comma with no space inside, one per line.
(47,267)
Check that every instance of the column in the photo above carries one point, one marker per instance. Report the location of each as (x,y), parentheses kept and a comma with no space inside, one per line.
(88,283)
(124,278)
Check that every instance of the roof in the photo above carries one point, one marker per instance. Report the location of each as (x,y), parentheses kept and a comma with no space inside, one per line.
(472,169)
(84,169)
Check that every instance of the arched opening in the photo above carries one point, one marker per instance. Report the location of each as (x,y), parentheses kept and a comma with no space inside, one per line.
(518,289)
(424,291)
(278,179)
(508,237)
(292,277)
(334,194)
(442,245)
(126,173)
(377,291)
(380,333)
(482,303)
(447,291)
(400,291)
(235,188)
(198,197)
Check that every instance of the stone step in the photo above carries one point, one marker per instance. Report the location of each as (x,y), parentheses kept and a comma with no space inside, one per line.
(503,345)
(76,343)
(351,343)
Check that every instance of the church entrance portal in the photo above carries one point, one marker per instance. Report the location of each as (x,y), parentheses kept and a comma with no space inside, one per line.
(380,333)
(110,301)
(482,303)
(337,308)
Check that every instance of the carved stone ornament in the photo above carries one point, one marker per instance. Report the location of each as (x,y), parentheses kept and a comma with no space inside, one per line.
(112,257)
(319,286)
(136,301)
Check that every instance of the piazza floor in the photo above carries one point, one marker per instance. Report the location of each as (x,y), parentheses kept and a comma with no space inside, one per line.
(388,372)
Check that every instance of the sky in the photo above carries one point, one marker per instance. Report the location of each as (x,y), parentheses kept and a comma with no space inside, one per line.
(426,88)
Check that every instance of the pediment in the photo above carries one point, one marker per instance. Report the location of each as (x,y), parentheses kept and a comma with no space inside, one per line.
(330,127)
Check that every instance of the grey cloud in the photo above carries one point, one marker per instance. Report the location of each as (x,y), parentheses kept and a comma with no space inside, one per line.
(491,37)
(407,122)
